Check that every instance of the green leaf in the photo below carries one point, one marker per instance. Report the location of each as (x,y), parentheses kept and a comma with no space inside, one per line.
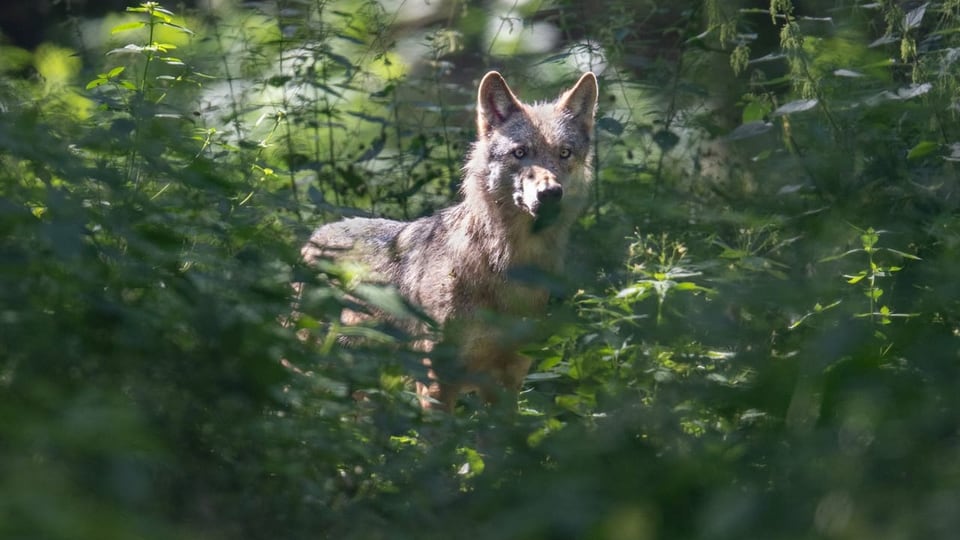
(95,83)
(840,256)
(114,72)
(857,278)
(162,14)
(127,26)
(922,149)
(755,111)
(904,254)
(183,29)
(474,464)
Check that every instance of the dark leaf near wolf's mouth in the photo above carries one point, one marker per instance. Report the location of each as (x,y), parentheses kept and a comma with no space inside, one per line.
(547,215)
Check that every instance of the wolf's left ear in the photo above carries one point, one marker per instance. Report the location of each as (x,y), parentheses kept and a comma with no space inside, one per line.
(581,100)
(495,102)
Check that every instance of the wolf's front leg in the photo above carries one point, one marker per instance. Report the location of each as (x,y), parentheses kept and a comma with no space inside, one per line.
(506,380)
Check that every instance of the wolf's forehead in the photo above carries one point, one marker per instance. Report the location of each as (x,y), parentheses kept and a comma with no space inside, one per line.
(547,120)
(538,124)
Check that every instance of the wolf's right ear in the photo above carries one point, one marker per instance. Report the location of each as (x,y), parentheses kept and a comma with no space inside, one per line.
(581,100)
(495,103)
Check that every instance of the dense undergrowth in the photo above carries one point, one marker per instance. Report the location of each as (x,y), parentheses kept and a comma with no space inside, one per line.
(757,336)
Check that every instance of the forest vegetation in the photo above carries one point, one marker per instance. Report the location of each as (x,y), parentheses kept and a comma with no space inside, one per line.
(757,336)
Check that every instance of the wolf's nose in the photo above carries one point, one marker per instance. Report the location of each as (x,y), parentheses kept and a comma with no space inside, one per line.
(550,194)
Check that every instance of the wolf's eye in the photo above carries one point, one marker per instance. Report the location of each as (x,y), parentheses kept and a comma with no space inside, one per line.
(519,152)
(565,153)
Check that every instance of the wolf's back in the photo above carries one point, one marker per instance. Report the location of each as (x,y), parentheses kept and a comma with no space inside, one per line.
(370,242)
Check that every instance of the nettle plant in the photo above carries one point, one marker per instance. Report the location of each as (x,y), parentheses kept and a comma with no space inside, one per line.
(869,277)
(660,268)
(141,85)
(153,51)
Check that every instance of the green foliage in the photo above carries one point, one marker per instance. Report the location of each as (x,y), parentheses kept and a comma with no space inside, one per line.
(762,342)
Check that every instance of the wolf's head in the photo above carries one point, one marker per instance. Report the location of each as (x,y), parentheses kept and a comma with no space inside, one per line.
(535,158)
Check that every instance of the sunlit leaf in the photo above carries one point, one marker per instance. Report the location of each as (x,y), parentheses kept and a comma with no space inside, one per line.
(795,107)
(856,278)
(922,149)
(847,73)
(129,48)
(127,26)
(913,91)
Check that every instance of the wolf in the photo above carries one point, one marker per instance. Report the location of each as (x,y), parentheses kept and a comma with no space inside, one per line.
(473,268)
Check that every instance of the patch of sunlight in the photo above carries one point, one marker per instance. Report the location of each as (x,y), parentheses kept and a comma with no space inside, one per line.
(57,65)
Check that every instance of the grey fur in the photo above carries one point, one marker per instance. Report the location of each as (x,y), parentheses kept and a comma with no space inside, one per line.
(525,182)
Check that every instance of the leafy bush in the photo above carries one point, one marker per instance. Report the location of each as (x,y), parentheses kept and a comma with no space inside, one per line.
(759,338)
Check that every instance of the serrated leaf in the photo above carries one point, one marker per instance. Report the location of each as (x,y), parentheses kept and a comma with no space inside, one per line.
(922,149)
(799,105)
(915,16)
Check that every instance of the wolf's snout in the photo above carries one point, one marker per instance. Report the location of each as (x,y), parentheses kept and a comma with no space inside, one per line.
(550,194)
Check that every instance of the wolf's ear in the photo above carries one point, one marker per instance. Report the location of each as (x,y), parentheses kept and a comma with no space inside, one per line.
(495,103)
(581,100)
